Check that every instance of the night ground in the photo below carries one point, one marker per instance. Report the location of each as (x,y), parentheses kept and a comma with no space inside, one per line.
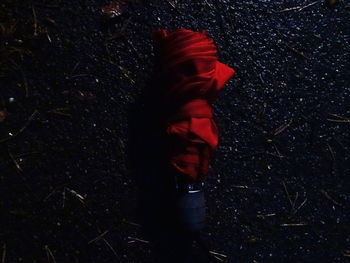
(71,80)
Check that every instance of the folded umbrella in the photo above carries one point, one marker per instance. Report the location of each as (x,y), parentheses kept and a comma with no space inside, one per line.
(191,76)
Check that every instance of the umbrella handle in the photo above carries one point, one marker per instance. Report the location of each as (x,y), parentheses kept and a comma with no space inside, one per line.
(190,203)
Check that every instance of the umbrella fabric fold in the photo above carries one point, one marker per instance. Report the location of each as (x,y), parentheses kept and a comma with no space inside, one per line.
(189,77)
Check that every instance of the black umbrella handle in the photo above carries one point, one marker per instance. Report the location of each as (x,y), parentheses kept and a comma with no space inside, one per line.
(190,203)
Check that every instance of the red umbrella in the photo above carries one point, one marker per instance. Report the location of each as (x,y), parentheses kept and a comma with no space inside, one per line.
(190,77)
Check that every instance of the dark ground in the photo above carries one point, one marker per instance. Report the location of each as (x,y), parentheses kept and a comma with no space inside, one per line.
(279,184)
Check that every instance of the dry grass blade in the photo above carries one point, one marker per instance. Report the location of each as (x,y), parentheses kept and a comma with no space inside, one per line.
(173,3)
(298,8)
(218,258)
(80,95)
(279,155)
(131,223)
(267,215)
(208,4)
(331,152)
(3,257)
(61,111)
(35,22)
(217,254)
(99,237)
(49,254)
(77,195)
(338,118)
(49,195)
(287,193)
(294,224)
(111,248)
(138,239)
(15,162)
(330,198)
(300,53)
(309,5)
(127,74)
(241,186)
(300,206)
(282,128)
(346,121)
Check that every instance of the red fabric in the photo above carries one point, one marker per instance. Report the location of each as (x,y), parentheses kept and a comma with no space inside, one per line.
(190,77)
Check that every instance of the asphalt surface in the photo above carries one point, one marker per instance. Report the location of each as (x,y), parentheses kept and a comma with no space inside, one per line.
(278,189)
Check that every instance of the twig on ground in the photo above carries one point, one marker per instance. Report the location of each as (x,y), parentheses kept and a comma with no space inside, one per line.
(99,237)
(74,68)
(208,4)
(241,186)
(277,151)
(296,51)
(309,5)
(267,215)
(331,152)
(274,155)
(282,128)
(329,197)
(77,195)
(294,224)
(262,80)
(137,239)
(63,197)
(217,254)
(173,3)
(61,111)
(49,195)
(287,193)
(49,254)
(35,22)
(339,118)
(48,36)
(131,223)
(3,256)
(298,8)
(294,202)
(218,258)
(300,206)
(81,75)
(15,162)
(111,248)
(126,74)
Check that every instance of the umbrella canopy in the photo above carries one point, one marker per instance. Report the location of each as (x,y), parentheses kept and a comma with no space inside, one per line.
(190,76)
